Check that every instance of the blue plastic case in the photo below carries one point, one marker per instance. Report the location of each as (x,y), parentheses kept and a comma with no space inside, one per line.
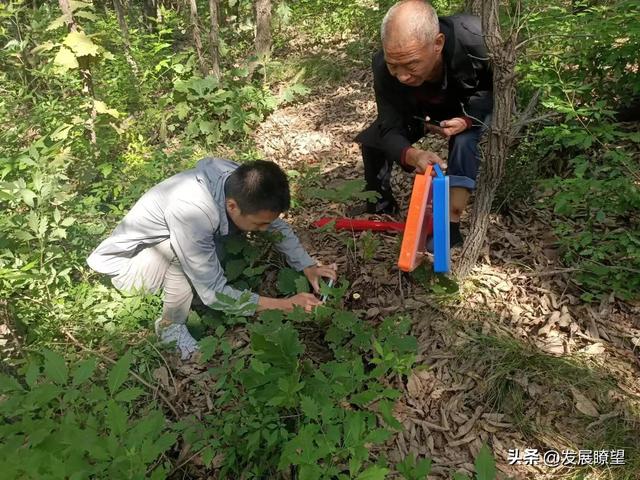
(441,240)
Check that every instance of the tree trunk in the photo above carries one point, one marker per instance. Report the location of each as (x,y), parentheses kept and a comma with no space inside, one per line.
(195,31)
(503,55)
(150,14)
(117,5)
(474,7)
(214,32)
(85,72)
(263,29)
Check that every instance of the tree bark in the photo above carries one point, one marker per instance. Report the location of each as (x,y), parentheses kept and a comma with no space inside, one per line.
(195,31)
(214,37)
(150,14)
(122,21)
(503,55)
(85,72)
(263,29)
(474,7)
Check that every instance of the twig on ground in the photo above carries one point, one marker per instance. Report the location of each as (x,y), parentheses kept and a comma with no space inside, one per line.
(77,343)
(548,273)
(184,462)
(173,379)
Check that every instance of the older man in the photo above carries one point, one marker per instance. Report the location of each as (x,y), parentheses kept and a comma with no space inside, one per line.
(431,76)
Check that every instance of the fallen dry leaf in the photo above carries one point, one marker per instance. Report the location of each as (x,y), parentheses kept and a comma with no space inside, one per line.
(584,405)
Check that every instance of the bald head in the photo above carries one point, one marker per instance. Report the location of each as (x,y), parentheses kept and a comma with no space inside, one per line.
(409,21)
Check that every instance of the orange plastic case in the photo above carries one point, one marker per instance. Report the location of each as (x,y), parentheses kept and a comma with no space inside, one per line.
(419,223)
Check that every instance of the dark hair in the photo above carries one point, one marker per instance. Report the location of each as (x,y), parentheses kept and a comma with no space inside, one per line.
(259,185)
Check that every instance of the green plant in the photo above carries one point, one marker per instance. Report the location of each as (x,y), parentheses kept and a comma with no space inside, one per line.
(34,231)
(412,469)
(369,243)
(593,192)
(289,408)
(59,422)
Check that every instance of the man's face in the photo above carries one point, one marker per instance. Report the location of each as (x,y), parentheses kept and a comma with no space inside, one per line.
(414,62)
(250,222)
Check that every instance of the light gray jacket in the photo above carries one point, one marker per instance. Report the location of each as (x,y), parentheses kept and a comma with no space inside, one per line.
(188,209)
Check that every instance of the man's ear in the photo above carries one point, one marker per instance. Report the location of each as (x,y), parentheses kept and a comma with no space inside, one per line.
(439,42)
(232,205)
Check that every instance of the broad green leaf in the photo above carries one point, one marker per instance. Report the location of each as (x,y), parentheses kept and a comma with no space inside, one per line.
(422,468)
(310,472)
(28,197)
(373,473)
(43,47)
(234,268)
(119,373)
(485,464)
(81,44)
(309,407)
(287,281)
(379,435)
(61,132)
(354,427)
(129,394)
(254,271)
(9,384)
(208,347)
(55,367)
(206,126)
(77,5)
(22,235)
(68,221)
(32,373)
(59,22)
(207,455)
(259,366)
(302,284)
(87,15)
(182,110)
(101,107)
(386,408)
(65,60)
(83,371)
(116,418)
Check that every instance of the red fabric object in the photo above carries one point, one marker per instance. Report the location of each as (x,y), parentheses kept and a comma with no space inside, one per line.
(469,121)
(360,225)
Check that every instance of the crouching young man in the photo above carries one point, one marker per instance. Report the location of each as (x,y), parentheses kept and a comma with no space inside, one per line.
(168,241)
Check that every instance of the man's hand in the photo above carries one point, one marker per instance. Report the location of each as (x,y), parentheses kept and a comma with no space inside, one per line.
(421,159)
(453,126)
(447,128)
(315,272)
(305,300)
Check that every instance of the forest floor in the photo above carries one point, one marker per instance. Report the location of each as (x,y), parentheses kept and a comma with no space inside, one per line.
(513,357)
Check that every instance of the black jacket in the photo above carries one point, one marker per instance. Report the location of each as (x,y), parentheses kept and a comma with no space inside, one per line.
(468,79)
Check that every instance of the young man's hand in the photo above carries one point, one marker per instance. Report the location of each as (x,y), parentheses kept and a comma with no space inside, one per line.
(316,272)
(421,159)
(305,300)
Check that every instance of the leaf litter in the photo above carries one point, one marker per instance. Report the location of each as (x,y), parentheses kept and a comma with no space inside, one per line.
(519,288)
